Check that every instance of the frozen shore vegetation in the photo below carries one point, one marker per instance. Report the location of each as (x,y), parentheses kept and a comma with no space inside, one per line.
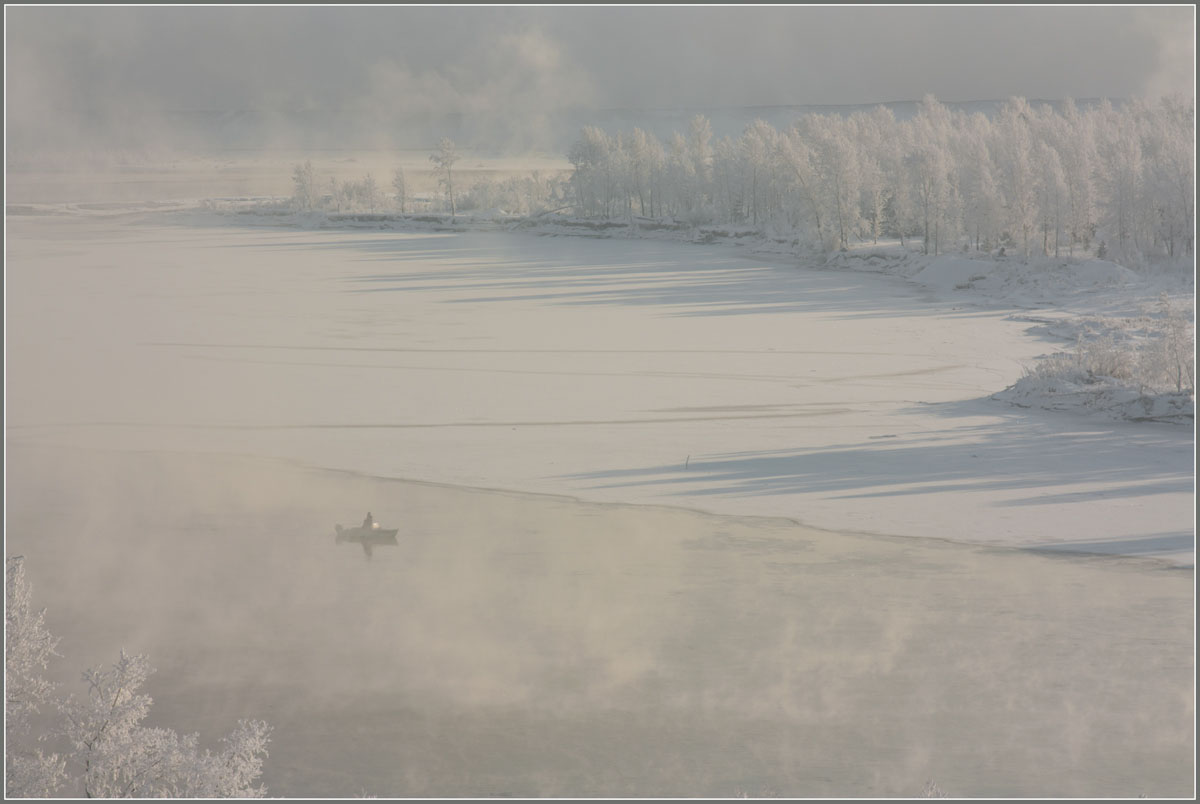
(1140,368)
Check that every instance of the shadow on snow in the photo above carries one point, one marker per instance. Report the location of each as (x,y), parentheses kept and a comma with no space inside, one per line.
(1024,451)
(688,279)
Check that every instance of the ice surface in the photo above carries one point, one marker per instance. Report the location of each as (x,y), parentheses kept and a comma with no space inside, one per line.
(612,370)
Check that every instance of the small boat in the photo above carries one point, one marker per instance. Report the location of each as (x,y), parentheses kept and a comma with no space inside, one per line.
(367,537)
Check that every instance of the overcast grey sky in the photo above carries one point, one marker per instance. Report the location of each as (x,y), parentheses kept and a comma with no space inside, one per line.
(204,57)
(522,60)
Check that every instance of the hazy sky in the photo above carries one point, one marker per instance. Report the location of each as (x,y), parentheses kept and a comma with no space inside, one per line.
(231,57)
(512,63)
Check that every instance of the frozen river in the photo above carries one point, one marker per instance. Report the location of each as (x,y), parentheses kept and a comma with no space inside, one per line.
(611,370)
(517,644)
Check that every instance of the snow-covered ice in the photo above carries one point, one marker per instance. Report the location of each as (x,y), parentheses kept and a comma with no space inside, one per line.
(617,370)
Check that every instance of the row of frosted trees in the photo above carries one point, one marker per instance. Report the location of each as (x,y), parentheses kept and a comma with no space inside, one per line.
(515,195)
(1031,179)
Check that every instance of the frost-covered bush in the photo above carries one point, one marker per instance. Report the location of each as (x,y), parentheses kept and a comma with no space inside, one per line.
(112,755)
(1138,368)
(931,790)
(1105,357)
(481,194)
(1175,357)
(28,647)
(1154,354)
(514,195)
(1093,362)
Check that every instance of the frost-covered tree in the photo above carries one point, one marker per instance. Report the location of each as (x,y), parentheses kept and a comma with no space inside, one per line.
(112,754)
(700,153)
(981,206)
(873,131)
(370,192)
(304,193)
(337,194)
(234,770)
(641,169)
(656,167)
(838,175)
(117,757)
(926,171)
(758,153)
(444,159)
(1070,134)
(1119,151)
(401,189)
(1170,180)
(1013,149)
(727,185)
(28,647)
(799,163)
(590,157)
(902,210)
(1052,197)
(621,166)
(681,194)
(932,174)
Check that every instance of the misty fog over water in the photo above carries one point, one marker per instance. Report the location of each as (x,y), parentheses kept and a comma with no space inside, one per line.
(536,646)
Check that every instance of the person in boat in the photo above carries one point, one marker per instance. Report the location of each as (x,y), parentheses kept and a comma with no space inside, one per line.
(369,522)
